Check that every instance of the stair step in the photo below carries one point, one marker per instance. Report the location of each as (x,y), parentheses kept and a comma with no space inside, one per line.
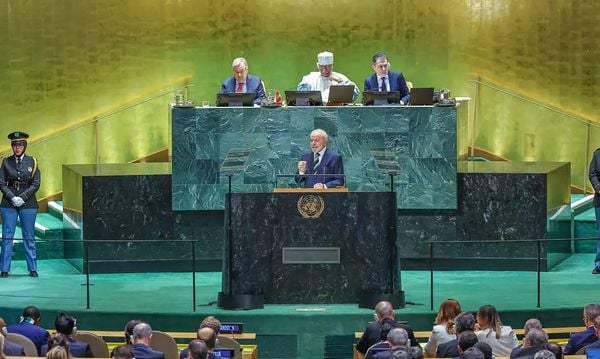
(585,227)
(55,208)
(47,226)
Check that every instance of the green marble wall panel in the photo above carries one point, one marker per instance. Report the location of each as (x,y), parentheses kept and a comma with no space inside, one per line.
(419,141)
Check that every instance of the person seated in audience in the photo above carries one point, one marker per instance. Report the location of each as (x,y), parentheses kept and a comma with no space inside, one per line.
(485,348)
(596,344)
(377,331)
(555,349)
(208,322)
(57,340)
(472,353)
(209,336)
(463,322)
(534,341)
(58,352)
(29,326)
(544,354)
(581,339)
(10,348)
(415,353)
(65,324)
(197,349)
(397,340)
(466,340)
(142,336)
(532,323)
(123,351)
(2,341)
(490,330)
(129,330)
(443,330)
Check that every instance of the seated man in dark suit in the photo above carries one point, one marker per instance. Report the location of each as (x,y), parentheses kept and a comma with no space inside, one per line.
(466,340)
(197,349)
(595,345)
(123,351)
(242,82)
(588,336)
(463,322)
(142,335)
(385,80)
(10,348)
(378,331)
(397,340)
(65,324)
(29,326)
(207,334)
(535,340)
(320,161)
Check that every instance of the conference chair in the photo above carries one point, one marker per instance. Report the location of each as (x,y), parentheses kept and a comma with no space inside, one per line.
(97,344)
(228,343)
(26,343)
(163,342)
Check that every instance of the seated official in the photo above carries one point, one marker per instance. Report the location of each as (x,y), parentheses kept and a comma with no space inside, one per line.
(65,324)
(385,80)
(320,161)
(242,82)
(142,336)
(322,80)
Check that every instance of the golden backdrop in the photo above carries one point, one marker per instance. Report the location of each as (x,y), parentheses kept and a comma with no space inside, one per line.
(66,62)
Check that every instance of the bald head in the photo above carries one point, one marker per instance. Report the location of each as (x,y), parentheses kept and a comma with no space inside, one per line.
(209,336)
(384,310)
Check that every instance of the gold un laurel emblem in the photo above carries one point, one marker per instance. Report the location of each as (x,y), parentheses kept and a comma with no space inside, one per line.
(311,206)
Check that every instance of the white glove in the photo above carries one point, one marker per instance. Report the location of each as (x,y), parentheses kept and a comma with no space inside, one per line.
(17,201)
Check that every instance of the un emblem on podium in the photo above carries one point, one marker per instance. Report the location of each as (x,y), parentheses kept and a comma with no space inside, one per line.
(311,206)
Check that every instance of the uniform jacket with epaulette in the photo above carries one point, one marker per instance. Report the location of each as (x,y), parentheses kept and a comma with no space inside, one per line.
(22,181)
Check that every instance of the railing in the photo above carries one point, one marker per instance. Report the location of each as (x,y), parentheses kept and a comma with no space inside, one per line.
(518,128)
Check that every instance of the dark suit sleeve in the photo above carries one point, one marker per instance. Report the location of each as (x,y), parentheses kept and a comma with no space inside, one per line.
(404,94)
(363,343)
(4,181)
(226,86)
(260,95)
(34,184)
(366,86)
(336,168)
(88,352)
(594,172)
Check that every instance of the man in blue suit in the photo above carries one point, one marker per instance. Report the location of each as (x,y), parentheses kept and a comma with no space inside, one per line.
(142,335)
(385,80)
(595,345)
(29,326)
(65,324)
(581,339)
(242,82)
(320,161)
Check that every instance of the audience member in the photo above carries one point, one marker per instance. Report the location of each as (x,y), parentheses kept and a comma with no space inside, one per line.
(443,330)
(58,352)
(58,340)
(29,326)
(207,334)
(377,331)
(10,348)
(596,344)
(463,322)
(472,353)
(466,340)
(65,324)
(142,336)
(123,351)
(544,354)
(534,341)
(129,330)
(581,339)
(555,349)
(397,340)
(500,337)
(532,323)
(415,353)
(2,341)
(485,348)
(197,349)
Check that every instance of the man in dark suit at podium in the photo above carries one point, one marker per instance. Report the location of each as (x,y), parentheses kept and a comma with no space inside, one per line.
(242,82)
(320,161)
(385,80)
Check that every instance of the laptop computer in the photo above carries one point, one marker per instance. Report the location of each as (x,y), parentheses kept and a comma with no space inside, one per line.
(303,98)
(341,94)
(381,98)
(235,99)
(421,96)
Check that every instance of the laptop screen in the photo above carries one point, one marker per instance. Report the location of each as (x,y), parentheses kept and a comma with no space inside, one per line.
(341,93)
(421,96)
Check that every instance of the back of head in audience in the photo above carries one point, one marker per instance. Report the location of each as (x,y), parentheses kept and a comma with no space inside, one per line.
(449,309)
(555,349)
(532,323)
(398,337)
(142,333)
(122,352)
(129,330)
(415,353)
(384,310)
(485,348)
(58,353)
(33,313)
(472,353)
(197,349)
(58,340)
(466,340)
(544,354)
(488,318)
(211,322)
(463,322)
(208,336)
(597,325)
(535,337)
(64,324)
(590,312)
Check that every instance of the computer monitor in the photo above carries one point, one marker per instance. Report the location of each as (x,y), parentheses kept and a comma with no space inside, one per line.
(235,99)
(303,98)
(340,94)
(223,353)
(421,96)
(381,98)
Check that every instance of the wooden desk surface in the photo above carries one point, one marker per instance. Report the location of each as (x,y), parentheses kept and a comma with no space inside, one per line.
(175,335)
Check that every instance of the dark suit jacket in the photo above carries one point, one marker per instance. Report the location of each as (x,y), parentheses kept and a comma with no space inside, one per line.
(142,351)
(77,348)
(579,340)
(448,350)
(253,85)
(39,336)
(13,349)
(331,163)
(375,330)
(595,345)
(522,352)
(397,83)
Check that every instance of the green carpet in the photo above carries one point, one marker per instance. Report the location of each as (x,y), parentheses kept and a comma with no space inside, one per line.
(290,331)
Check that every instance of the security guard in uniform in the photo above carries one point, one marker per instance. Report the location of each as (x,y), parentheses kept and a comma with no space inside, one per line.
(19,181)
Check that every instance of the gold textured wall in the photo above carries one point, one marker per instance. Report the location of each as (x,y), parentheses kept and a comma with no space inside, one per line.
(65,61)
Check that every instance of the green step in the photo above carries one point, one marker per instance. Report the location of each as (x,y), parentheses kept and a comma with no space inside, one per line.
(48,226)
(55,209)
(585,227)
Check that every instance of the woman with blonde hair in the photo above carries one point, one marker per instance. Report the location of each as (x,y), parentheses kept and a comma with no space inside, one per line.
(58,352)
(490,330)
(443,331)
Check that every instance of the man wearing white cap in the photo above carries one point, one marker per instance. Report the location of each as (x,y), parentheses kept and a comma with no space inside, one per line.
(322,80)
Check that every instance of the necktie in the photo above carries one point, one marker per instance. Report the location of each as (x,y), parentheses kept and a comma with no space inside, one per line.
(18,161)
(240,87)
(317,161)
(383,86)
